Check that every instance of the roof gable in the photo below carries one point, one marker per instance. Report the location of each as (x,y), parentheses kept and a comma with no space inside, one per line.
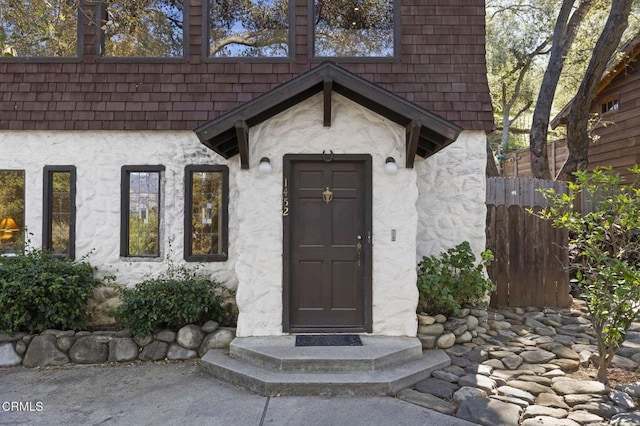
(427,133)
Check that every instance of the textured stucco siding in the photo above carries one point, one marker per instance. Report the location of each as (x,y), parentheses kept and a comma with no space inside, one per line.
(451,206)
(300,130)
(98,157)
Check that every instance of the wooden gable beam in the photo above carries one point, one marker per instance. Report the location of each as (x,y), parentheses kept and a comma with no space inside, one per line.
(327,89)
(242,134)
(413,137)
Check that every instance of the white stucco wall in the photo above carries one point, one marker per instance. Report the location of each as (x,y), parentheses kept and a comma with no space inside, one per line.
(451,206)
(432,207)
(300,130)
(98,157)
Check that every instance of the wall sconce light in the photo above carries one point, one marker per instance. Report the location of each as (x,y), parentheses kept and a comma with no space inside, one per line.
(390,166)
(265,166)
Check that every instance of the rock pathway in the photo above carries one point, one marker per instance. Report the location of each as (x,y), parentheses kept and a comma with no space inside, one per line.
(515,372)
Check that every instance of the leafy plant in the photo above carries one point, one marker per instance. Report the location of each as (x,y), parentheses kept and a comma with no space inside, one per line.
(604,250)
(40,291)
(174,299)
(454,279)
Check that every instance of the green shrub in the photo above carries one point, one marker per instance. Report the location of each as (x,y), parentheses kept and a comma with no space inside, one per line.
(40,291)
(454,279)
(174,299)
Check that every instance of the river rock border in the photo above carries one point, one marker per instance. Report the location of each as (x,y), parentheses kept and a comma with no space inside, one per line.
(56,347)
(441,332)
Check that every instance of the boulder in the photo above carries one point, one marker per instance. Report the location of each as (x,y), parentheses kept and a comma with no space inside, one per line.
(167,336)
(8,355)
(154,351)
(178,352)
(565,386)
(489,412)
(122,349)
(190,336)
(427,401)
(89,350)
(43,352)
(220,339)
(446,340)
(437,387)
(467,392)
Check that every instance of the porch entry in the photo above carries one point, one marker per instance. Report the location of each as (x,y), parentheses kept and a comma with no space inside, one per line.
(327,243)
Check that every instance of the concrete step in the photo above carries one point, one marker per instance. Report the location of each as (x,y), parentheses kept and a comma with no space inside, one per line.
(387,376)
(280,353)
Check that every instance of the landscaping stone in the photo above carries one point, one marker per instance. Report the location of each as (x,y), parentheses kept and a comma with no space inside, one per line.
(551,400)
(478,381)
(584,417)
(576,399)
(489,412)
(167,336)
(516,393)
(632,389)
(467,392)
(154,351)
(8,355)
(122,349)
(427,401)
(446,341)
(440,318)
(548,421)
(626,419)
(431,330)
(560,350)
(566,386)
(424,319)
(531,387)
(537,356)
(42,352)
(512,362)
(622,399)
(142,340)
(89,350)
(465,337)
(190,336)
(178,352)
(437,387)
(601,409)
(542,410)
(446,376)
(217,340)
(428,342)
(21,347)
(511,400)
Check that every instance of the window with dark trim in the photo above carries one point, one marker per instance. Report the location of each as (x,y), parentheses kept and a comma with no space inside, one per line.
(355,28)
(39,28)
(140,211)
(149,29)
(248,29)
(59,210)
(609,105)
(12,221)
(206,217)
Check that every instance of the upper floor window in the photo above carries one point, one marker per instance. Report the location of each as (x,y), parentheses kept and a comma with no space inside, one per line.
(143,28)
(609,105)
(354,28)
(206,216)
(59,212)
(248,28)
(39,28)
(140,211)
(11,210)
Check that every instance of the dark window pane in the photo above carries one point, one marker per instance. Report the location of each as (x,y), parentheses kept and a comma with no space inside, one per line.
(144,209)
(250,28)
(11,210)
(60,212)
(143,28)
(356,28)
(206,209)
(44,28)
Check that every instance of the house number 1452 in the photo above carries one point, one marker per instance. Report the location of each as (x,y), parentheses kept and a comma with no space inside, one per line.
(285,198)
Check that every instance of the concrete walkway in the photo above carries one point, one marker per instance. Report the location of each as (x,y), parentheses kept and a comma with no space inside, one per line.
(181,394)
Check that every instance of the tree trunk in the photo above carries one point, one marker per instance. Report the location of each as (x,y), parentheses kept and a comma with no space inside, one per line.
(564,33)
(577,127)
(492,169)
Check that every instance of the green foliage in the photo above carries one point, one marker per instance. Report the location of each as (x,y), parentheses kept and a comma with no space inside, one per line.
(604,250)
(174,299)
(39,291)
(454,279)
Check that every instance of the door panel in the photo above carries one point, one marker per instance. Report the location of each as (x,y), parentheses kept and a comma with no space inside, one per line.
(328,288)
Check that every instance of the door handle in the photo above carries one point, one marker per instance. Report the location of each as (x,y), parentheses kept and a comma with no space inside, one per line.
(359,250)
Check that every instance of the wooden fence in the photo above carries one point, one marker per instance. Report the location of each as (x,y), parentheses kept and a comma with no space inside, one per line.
(530,255)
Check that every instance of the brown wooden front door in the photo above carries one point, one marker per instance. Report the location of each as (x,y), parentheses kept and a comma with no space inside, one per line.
(327,224)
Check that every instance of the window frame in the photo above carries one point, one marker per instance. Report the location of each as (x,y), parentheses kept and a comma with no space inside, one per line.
(291,40)
(397,42)
(61,59)
(100,11)
(604,104)
(22,231)
(47,207)
(124,208)
(188,199)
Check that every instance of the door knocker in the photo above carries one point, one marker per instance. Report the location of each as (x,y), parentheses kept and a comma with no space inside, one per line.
(327,195)
(329,158)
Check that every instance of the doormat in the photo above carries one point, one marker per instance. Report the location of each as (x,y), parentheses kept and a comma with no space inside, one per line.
(328,340)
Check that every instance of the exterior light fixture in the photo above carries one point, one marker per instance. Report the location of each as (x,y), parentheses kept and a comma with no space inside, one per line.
(265,166)
(390,166)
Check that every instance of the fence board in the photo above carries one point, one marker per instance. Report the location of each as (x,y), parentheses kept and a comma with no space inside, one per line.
(530,254)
